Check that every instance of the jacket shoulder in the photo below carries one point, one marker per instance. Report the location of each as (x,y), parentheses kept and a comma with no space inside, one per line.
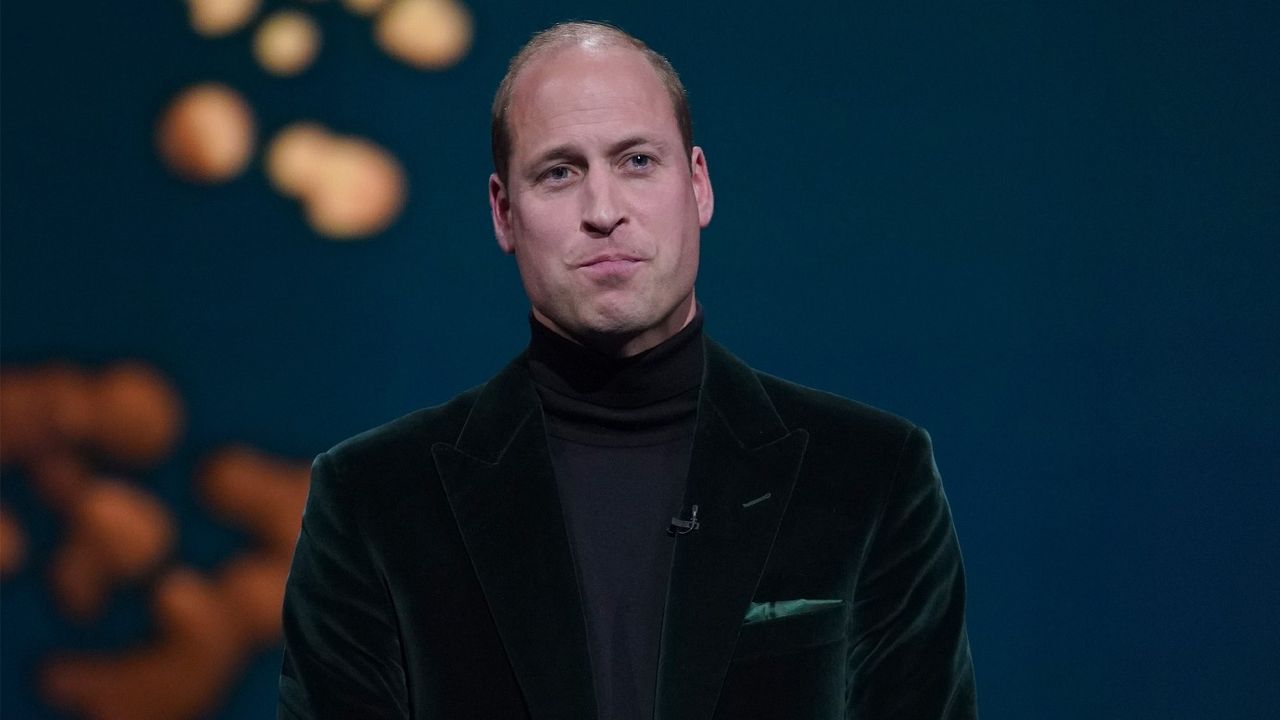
(856,453)
(799,405)
(407,438)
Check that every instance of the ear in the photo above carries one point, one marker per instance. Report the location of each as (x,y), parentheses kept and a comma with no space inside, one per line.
(702,191)
(500,209)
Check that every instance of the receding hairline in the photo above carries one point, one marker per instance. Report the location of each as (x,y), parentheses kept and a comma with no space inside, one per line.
(591,35)
(585,35)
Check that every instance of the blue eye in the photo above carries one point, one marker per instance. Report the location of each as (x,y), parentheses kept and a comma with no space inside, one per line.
(559,172)
(640,160)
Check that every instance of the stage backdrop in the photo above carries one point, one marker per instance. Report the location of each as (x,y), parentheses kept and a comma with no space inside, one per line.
(1050,236)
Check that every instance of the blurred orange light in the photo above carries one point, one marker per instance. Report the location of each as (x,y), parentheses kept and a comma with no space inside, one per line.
(286,43)
(206,134)
(427,34)
(215,18)
(350,187)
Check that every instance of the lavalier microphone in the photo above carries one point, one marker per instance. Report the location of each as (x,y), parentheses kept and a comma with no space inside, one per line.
(684,527)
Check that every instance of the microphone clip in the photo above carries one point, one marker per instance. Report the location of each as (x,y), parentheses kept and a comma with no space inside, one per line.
(684,527)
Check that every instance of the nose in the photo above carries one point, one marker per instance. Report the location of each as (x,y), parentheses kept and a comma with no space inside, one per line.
(603,210)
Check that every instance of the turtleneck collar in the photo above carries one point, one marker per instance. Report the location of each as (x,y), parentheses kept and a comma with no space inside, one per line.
(586,388)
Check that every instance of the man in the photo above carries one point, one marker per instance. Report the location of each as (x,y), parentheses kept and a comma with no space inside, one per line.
(626,522)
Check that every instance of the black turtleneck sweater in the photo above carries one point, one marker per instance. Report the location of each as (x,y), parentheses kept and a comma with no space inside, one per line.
(620,432)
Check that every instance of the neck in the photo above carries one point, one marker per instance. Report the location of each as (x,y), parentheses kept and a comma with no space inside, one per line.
(627,345)
(579,385)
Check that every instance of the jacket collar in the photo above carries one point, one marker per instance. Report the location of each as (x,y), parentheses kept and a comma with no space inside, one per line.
(501,486)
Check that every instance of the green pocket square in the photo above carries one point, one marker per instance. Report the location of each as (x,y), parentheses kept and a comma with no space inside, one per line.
(760,612)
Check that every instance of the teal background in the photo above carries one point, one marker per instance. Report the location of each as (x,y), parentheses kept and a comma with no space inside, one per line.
(1050,235)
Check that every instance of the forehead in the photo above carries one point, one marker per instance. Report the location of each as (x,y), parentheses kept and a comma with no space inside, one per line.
(575,92)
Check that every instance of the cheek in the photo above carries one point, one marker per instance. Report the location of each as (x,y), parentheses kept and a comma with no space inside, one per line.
(535,232)
(539,255)
(682,227)
(689,262)
(537,268)
(546,224)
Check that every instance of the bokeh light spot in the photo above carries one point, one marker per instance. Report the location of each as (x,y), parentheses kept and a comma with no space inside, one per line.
(427,34)
(206,134)
(215,18)
(350,187)
(286,43)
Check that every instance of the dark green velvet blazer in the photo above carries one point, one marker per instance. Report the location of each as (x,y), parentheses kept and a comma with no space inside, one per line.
(433,575)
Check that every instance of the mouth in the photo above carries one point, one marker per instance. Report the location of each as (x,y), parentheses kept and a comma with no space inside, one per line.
(610,268)
(617,260)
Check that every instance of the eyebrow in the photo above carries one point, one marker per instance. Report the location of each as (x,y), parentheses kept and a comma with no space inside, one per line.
(571,153)
(559,152)
(635,140)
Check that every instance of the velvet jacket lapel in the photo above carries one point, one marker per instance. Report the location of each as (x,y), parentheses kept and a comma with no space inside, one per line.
(502,488)
(744,466)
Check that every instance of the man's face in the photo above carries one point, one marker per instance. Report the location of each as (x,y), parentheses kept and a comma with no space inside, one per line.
(601,207)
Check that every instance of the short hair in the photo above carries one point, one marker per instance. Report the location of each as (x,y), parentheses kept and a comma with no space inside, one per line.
(598,34)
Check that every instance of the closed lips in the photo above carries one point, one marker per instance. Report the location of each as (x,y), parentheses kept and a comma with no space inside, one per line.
(609,259)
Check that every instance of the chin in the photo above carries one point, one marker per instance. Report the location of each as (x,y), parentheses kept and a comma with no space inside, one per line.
(613,327)
(621,319)
(624,323)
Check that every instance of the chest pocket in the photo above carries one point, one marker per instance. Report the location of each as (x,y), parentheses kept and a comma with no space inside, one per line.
(789,664)
(790,625)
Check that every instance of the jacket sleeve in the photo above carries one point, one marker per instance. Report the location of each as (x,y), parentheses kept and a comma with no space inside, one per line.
(908,650)
(342,654)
